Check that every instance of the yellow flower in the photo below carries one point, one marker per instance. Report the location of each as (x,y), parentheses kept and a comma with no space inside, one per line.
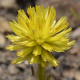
(39,35)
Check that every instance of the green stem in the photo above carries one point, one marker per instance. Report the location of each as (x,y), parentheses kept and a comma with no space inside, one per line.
(76,15)
(41,73)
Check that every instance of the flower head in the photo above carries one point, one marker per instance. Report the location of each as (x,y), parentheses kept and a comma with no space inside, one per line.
(39,35)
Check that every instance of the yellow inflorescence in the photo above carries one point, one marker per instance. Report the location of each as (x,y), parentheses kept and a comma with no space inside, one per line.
(39,35)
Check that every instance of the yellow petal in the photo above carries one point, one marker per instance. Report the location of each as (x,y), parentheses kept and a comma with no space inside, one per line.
(37,50)
(49,20)
(15,47)
(22,14)
(47,46)
(52,39)
(33,59)
(43,63)
(25,52)
(23,24)
(43,56)
(39,10)
(20,59)
(31,12)
(60,25)
(31,44)
(53,23)
(46,56)
(16,39)
(64,33)
(71,43)
(19,31)
(54,62)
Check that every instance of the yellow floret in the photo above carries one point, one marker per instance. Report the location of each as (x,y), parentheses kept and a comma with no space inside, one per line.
(39,35)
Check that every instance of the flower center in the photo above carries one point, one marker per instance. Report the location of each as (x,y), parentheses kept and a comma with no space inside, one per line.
(40,41)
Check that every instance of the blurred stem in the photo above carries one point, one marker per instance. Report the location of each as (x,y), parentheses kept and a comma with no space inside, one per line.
(76,15)
(32,69)
(41,73)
